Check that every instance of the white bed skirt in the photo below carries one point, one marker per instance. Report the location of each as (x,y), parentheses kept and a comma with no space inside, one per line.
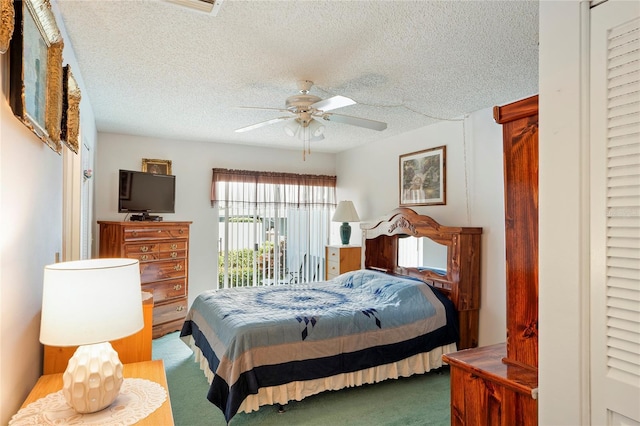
(417,364)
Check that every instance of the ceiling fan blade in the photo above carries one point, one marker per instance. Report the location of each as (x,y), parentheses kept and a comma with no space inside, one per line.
(333,102)
(356,121)
(264,108)
(261,124)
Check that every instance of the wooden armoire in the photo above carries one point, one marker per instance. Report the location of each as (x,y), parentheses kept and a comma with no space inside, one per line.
(498,384)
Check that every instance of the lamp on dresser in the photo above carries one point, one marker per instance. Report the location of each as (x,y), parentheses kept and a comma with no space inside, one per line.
(345,213)
(89,303)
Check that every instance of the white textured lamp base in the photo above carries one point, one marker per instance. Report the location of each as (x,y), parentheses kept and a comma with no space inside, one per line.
(93,378)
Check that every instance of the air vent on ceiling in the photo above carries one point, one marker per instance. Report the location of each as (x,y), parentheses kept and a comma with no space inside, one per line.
(206,6)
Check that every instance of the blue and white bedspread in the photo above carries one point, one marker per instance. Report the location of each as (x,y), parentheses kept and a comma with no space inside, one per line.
(267,336)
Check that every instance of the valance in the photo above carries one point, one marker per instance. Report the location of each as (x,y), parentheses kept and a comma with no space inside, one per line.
(259,187)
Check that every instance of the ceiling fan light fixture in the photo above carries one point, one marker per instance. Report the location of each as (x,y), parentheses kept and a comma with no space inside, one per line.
(305,135)
(292,127)
(316,128)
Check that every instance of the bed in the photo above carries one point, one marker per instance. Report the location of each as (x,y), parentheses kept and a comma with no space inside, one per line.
(273,344)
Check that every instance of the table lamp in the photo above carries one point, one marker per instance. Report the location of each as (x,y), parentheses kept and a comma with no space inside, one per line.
(88,303)
(345,213)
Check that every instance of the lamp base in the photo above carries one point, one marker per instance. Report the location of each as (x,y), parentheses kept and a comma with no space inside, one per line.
(345,233)
(93,378)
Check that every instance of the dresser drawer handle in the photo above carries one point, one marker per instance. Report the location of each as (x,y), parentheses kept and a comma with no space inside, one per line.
(178,267)
(181,231)
(144,257)
(177,287)
(174,254)
(174,246)
(144,249)
(180,308)
(134,233)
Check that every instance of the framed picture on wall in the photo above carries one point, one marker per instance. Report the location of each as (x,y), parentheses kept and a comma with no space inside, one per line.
(423,177)
(71,97)
(160,167)
(7,16)
(35,71)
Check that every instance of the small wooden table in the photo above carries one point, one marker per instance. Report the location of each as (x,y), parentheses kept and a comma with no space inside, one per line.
(150,370)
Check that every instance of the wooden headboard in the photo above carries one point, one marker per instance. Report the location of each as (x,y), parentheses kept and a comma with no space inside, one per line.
(461,283)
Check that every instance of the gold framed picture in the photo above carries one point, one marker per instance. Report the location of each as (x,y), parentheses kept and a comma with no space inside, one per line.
(35,72)
(7,16)
(160,167)
(423,177)
(70,110)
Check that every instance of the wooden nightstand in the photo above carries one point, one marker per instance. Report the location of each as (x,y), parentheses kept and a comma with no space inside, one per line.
(341,259)
(150,370)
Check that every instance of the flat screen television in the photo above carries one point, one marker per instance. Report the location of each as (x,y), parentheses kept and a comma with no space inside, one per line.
(145,193)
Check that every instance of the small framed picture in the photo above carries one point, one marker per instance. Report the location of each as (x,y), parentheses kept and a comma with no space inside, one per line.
(423,177)
(159,167)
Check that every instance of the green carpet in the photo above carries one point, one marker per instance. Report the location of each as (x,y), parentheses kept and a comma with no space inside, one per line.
(416,400)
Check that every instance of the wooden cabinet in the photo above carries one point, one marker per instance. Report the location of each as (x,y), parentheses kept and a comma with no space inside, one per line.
(489,391)
(134,348)
(163,251)
(341,259)
(497,385)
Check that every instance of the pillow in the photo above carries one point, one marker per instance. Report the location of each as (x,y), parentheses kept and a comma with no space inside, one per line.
(357,278)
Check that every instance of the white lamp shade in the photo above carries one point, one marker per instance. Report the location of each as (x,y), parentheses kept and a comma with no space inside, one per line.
(345,212)
(90,301)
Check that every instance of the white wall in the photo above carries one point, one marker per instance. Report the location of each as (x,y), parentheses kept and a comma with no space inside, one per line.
(31,223)
(191,164)
(369,176)
(31,235)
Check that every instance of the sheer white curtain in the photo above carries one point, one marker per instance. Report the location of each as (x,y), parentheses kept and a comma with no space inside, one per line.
(273,227)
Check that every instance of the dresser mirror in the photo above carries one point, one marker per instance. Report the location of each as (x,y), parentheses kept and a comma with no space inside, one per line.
(422,253)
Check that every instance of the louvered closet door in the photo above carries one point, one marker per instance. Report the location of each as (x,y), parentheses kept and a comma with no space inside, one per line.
(615,213)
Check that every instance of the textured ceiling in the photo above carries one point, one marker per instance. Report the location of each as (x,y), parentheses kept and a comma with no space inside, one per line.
(153,68)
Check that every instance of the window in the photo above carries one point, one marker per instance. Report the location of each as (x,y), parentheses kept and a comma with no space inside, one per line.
(273,227)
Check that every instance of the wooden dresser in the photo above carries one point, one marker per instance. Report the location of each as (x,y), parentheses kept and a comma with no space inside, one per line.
(341,259)
(163,251)
(498,385)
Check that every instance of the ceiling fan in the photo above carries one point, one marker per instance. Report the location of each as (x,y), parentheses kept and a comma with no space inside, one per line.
(305,112)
